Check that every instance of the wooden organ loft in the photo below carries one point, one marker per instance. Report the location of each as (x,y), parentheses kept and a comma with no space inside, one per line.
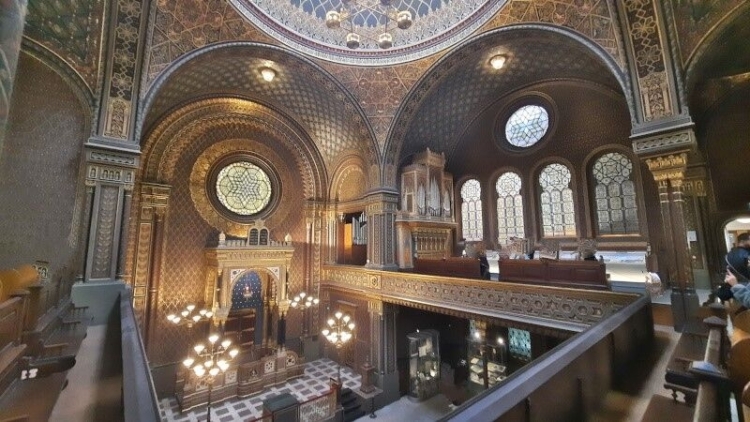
(425,225)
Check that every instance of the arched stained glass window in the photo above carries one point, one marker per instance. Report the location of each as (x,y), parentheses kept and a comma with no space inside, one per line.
(556,200)
(243,188)
(614,194)
(509,207)
(526,126)
(471,210)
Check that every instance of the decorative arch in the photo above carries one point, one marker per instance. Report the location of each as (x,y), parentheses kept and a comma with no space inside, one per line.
(702,52)
(67,73)
(349,181)
(311,96)
(469,56)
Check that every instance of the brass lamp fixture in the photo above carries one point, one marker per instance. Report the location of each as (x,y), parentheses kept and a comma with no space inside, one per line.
(209,361)
(189,316)
(304,301)
(382,10)
(339,332)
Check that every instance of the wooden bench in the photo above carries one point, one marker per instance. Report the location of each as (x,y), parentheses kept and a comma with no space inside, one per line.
(562,273)
(40,334)
(449,267)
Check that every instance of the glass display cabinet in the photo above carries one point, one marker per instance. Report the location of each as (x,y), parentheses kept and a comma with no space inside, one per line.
(486,363)
(424,364)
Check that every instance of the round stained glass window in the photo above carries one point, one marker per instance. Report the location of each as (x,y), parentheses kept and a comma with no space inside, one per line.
(243,188)
(526,126)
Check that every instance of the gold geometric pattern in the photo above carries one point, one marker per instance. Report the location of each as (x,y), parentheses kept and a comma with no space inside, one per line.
(462,84)
(301,90)
(182,26)
(597,19)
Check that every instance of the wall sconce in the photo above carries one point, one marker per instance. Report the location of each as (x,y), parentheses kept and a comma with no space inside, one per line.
(498,61)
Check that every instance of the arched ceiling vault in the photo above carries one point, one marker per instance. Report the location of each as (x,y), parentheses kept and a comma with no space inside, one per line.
(721,65)
(462,84)
(307,93)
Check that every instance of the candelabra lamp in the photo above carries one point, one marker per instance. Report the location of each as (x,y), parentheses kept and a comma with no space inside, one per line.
(189,316)
(339,332)
(210,360)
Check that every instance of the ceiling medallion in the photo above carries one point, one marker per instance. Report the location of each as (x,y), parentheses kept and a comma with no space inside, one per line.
(425,27)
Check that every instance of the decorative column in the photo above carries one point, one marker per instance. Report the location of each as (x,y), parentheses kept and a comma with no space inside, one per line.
(388,379)
(381,230)
(12,17)
(154,199)
(666,156)
(111,175)
(375,310)
(315,215)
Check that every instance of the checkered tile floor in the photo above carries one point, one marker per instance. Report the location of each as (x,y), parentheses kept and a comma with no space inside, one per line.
(313,384)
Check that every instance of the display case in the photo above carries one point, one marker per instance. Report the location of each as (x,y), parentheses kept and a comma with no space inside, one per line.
(486,363)
(424,364)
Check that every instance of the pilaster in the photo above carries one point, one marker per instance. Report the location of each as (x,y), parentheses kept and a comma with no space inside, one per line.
(154,199)
(110,176)
(666,155)
(381,211)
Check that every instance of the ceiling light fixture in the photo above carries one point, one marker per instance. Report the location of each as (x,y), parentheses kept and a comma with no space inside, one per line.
(498,61)
(267,74)
(365,13)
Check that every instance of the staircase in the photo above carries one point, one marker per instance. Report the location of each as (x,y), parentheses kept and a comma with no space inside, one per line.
(352,406)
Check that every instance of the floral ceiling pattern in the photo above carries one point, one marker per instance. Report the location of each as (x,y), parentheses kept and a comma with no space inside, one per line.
(438,24)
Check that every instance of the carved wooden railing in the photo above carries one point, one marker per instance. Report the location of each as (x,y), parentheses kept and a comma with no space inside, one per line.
(572,381)
(565,308)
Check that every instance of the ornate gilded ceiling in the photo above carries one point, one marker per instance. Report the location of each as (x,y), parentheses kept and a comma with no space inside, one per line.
(438,24)
(301,90)
(462,84)
(71,29)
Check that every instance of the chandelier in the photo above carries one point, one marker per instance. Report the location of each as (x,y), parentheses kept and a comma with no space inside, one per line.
(382,10)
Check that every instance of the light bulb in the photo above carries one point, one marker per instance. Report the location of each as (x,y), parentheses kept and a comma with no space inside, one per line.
(214,371)
(338,315)
(233,353)
(188,362)
(213,338)
(170,317)
(225,344)
(267,74)
(497,62)
(199,348)
(326,332)
(190,307)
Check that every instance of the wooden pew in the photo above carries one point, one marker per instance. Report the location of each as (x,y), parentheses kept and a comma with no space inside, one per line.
(697,372)
(562,273)
(39,339)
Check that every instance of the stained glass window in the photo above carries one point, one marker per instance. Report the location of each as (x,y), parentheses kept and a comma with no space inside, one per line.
(526,126)
(556,200)
(243,188)
(509,207)
(471,210)
(614,194)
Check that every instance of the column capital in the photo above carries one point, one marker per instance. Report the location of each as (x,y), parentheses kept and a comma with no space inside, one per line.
(670,141)
(670,167)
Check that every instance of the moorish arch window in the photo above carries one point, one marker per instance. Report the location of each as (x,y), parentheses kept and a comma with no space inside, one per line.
(471,210)
(614,195)
(509,207)
(556,202)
